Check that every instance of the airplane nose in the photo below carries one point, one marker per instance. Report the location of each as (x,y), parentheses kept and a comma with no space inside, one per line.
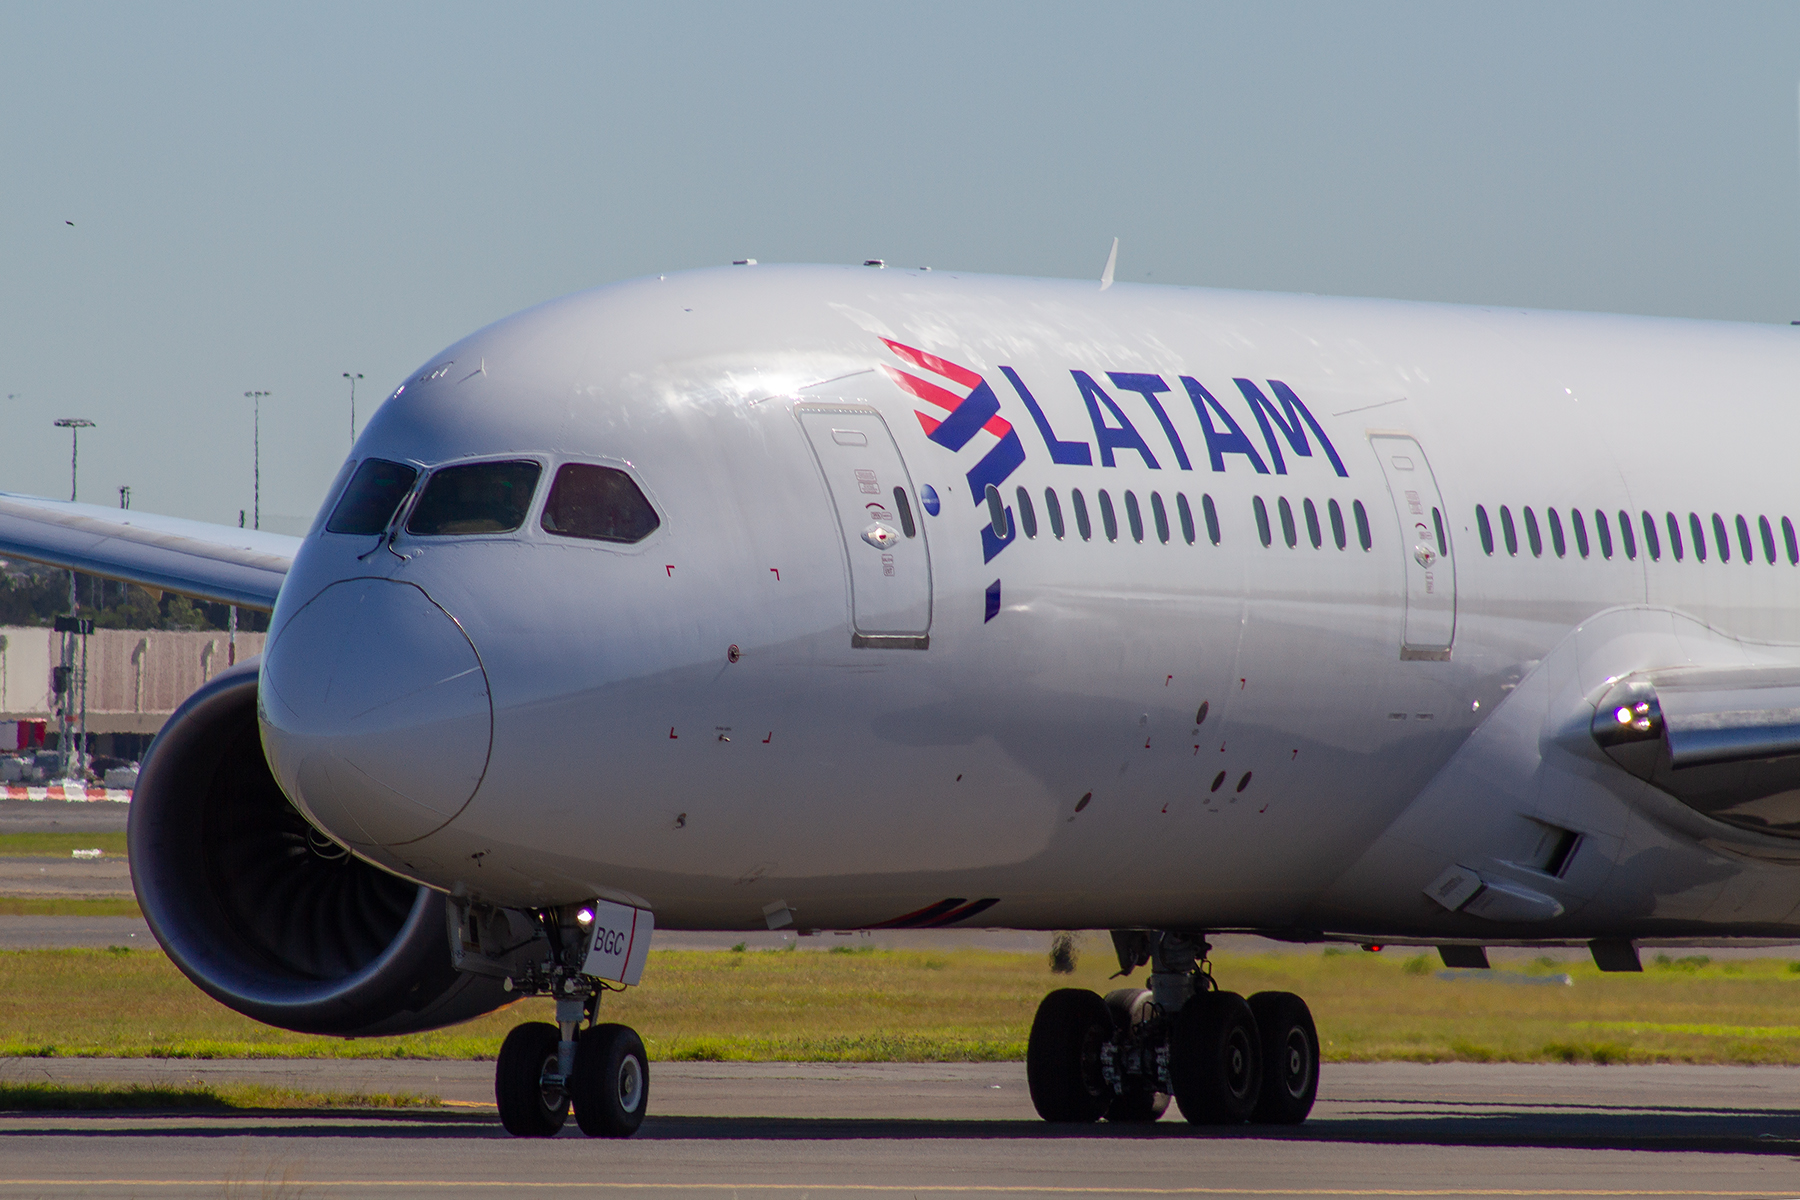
(375,712)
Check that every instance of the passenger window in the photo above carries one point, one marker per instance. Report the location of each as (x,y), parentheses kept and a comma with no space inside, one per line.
(374,494)
(1556,534)
(1361,514)
(1699,532)
(1486,530)
(1721,538)
(1027,514)
(1134,517)
(997,513)
(1337,523)
(1262,521)
(1161,516)
(1743,528)
(1581,542)
(1212,518)
(1531,533)
(1081,515)
(903,505)
(1768,539)
(605,504)
(1626,537)
(1053,506)
(1312,525)
(1187,517)
(1674,536)
(1508,532)
(489,497)
(1650,542)
(1793,544)
(1108,518)
(1604,533)
(1288,532)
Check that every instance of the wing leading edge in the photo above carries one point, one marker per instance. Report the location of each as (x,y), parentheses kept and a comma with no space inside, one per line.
(220,563)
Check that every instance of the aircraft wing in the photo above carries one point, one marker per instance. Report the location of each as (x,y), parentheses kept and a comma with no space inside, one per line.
(220,563)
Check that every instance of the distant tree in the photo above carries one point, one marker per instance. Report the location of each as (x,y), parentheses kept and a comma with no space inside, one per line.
(32,594)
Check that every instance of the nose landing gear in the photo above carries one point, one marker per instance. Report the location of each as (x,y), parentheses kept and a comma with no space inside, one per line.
(543,1070)
(1225,1060)
(601,1071)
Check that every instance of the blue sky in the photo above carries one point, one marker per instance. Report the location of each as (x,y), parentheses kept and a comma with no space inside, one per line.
(267,196)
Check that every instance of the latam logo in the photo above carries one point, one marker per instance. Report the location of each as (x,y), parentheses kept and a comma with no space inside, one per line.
(972,408)
(961,415)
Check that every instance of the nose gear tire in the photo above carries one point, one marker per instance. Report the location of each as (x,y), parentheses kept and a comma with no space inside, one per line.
(611,1087)
(1290,1054)
(527,1107)
(1215,1059)
(1062,1058)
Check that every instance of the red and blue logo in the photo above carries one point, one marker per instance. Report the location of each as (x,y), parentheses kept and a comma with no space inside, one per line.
(962,412)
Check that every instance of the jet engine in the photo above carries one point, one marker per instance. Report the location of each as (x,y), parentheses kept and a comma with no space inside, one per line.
(266,914)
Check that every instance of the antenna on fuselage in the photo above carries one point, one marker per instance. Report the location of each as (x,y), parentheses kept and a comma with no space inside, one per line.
(1112,260)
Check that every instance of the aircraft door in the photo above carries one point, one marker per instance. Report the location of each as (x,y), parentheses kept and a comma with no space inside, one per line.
(1425,540)
(878,514)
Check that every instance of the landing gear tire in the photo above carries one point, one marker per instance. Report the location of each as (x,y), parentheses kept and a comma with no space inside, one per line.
(529,1107)
(1215,1059)
(611,1085)
(1062,1059)
(1130,1007)
(1290,1056)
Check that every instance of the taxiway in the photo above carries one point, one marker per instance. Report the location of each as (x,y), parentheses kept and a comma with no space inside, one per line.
(821,1130)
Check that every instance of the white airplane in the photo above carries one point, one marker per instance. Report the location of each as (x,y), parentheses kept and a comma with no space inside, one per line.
(846,598)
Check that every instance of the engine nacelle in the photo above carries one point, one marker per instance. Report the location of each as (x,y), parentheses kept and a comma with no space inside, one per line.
(266,914)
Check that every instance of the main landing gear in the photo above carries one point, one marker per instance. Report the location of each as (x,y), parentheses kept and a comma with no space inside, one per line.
(544,1070)
(1224,1060)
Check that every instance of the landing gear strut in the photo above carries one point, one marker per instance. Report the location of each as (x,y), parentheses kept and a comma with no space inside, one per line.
(1223,1059)
(543,1069)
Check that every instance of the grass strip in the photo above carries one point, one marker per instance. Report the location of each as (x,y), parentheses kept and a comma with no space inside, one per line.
(56,1097)
(965,1005)
(58,844)
(69,906)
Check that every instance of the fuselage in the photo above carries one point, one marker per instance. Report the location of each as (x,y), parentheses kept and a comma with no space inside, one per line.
(1204,695)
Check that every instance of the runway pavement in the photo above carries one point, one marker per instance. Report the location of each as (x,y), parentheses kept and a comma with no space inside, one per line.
(824,1130)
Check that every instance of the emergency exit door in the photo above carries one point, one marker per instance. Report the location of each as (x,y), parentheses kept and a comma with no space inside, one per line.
(1425,542)
(878,515)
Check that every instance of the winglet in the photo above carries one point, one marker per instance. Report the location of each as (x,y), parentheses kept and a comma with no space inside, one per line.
(1112,260)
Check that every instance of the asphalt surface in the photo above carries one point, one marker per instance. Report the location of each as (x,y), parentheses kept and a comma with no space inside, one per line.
(62,816)
(818,1130)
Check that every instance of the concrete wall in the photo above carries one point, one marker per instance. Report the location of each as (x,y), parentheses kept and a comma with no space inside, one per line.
(135,677)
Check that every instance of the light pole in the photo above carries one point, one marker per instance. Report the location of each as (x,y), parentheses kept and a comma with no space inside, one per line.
(74,425)
(256,459)
(352,379)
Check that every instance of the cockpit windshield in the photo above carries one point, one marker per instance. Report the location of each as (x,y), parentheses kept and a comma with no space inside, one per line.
(375,491)
(487,497)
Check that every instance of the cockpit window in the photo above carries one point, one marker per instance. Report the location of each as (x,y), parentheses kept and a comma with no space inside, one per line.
(375,491)
(489,497)
(600,503)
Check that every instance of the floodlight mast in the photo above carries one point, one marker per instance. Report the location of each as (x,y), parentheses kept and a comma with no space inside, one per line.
(256,457)
(74,425)
(352,379)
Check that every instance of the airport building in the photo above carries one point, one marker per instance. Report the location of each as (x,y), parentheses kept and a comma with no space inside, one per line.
(135,679)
